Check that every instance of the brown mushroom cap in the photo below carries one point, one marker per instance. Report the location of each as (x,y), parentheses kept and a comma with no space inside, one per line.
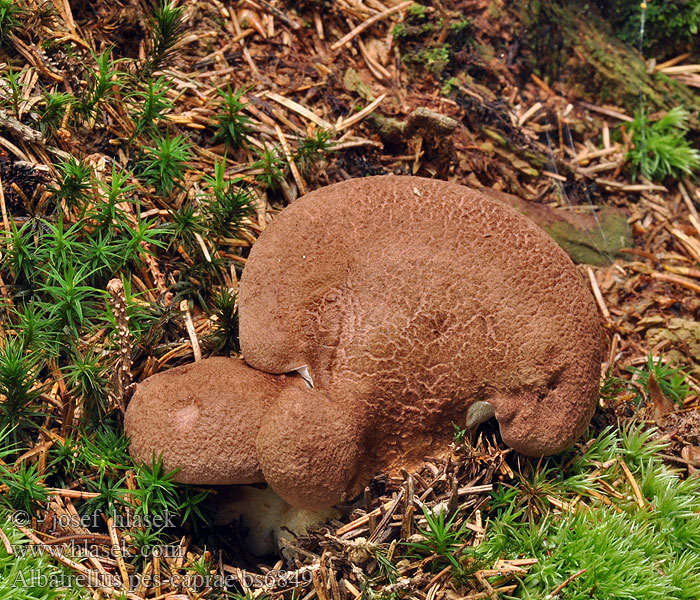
(309,448)
(203,418)
(412,299)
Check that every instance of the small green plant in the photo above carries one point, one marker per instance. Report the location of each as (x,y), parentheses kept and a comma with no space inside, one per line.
(200,566)
(12,80)
(164,164)
(102,453)
(102,84)
(226,203)
(271,166)
(224,338)
(139,240)
(146,539)
(105,451)
(443,538)
(19,369)
(660,148)
(55,106)
(185,224)
(672,381)
(112,496)
(22,251)
(74,183)
(71,301)
(102,255)
(64,459)
(190,504)
(108,216)
(26,492)
(88,381)
(151,105)
(233,125)
(312,148)
(460,434)
(10,13)
(159,499)
(157,492)
(35,328)
(612,387)
(61,243)
(167,25)
(387,569)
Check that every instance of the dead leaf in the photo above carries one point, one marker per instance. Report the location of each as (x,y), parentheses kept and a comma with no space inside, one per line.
(662,405)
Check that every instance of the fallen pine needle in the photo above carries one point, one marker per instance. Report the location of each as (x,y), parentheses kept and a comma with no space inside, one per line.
(566,582)
(196,350)
(361,115)
(597,293)
(678,280)
(633,483)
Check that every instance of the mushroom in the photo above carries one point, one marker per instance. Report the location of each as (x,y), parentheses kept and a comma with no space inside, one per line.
(408,304)
(203,418)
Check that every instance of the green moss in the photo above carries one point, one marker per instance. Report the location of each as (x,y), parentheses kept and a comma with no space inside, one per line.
(446,88)
(28,574)
(669,27)
(399,31)
(461,25)
(435,59)
(417,11)
(612,551)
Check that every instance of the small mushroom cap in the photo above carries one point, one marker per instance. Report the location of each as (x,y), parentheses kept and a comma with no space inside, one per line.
(203,418)
(309,447)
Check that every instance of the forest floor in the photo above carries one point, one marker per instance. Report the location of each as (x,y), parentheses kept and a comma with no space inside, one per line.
(150,144)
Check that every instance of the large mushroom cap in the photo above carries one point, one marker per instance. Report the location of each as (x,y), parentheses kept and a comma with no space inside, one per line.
(203,419)
(412,299)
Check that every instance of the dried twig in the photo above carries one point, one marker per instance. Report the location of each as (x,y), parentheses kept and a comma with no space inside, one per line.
(369,22)
(597,293)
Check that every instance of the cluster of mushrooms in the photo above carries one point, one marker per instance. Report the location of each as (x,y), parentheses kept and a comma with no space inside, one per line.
(375,314)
